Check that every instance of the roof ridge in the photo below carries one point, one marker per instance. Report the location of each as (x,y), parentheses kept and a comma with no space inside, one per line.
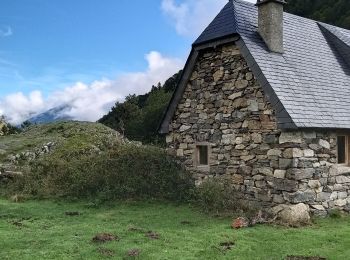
(334,30)
(338,40)
(235,14)
(242,2)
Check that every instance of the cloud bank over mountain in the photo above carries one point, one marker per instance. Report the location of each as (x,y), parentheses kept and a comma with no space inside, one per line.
(90,101)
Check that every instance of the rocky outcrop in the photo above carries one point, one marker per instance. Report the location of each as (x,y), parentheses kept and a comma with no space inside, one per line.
(10,168)
(31,155)
(224,107)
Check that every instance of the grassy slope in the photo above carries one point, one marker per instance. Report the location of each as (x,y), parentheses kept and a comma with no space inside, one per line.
(50,234)
(63,133)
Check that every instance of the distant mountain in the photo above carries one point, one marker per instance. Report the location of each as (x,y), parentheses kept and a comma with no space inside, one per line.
(53,115)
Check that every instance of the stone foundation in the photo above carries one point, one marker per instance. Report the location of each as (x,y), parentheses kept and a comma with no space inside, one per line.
(225,108)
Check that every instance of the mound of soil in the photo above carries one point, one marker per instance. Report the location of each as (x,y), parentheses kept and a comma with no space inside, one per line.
(134,252)
(72,213)
(19,222)
(135,229)
(152,235)
(305,258)
(106,252)
(227,245)
(104,237)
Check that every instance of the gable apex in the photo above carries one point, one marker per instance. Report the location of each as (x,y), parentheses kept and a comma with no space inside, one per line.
(223,25)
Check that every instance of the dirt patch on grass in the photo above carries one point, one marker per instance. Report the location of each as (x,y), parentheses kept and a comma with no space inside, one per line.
(227,245)
(104,237)
(106,252)
(133,228)
(152,235)
(134,252)
(223,247)
(305,258)
(72,213)
(19,222)
(8,216)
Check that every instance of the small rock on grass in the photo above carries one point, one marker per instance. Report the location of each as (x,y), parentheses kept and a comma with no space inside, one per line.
(240,223)
(17,198)
(259,218)
(293,215)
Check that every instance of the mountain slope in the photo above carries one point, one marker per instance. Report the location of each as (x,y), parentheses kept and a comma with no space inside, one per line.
(53,115)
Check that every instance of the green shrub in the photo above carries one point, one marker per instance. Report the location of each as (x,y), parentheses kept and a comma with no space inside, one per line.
(219,196)
(122,172)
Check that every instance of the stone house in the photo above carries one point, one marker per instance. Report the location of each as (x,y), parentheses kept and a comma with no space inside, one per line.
(263,102)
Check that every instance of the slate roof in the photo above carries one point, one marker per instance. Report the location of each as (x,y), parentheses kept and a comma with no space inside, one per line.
(340,38)
(311,79)
(223,25)
(309,84)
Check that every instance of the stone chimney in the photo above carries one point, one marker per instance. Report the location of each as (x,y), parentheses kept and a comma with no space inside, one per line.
(270,23)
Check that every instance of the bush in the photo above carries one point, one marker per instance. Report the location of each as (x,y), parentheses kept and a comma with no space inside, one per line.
(122,172)
(219,196)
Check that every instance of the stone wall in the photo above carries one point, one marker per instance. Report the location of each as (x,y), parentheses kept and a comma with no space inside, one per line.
(224,106)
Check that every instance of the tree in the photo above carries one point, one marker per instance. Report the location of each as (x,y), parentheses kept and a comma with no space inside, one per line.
(26,124)
(6,128)
(138,117)
(336,12)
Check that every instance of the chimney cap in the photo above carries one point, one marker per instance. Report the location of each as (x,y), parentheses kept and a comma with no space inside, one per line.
(260,2)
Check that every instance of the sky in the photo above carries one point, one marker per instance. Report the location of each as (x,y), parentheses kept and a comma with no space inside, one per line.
(88,55)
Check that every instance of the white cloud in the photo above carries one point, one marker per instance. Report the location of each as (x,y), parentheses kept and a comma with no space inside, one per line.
(90,102)
(5,31)
(191,17)
(20,106)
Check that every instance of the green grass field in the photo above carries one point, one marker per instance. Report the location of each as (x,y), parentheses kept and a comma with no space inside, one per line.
(42,230)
